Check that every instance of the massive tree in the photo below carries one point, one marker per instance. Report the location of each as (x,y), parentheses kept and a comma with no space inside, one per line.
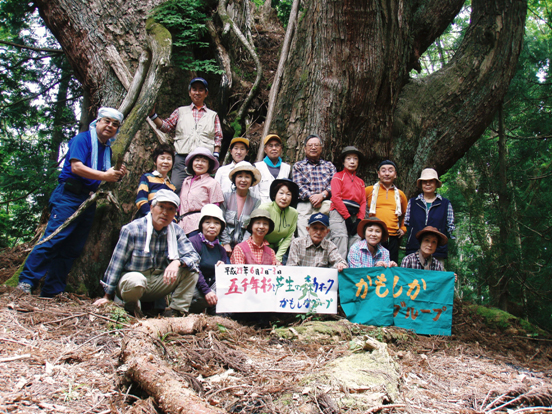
(348,79)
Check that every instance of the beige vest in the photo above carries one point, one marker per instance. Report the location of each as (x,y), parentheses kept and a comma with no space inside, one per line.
(189,135)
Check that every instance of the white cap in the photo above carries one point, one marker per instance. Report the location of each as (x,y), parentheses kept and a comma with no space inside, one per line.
(166,196)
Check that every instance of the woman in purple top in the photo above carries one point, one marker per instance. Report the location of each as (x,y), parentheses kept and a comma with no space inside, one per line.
(206,243)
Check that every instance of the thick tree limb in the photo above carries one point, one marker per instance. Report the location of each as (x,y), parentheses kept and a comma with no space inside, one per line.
(466,91)
(159,43)
(144,365)
(227,20)
(133,90)
(35,49)
(279,72)
(224,61)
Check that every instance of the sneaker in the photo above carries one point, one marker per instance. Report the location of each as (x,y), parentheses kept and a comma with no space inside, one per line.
(25,287)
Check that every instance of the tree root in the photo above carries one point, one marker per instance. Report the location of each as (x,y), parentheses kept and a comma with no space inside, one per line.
(144,366)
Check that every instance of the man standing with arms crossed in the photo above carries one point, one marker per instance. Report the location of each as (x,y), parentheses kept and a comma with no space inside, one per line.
(386,202)
(313,176)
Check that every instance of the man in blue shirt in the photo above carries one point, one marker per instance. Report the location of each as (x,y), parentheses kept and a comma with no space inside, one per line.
(87,164)
(153,258)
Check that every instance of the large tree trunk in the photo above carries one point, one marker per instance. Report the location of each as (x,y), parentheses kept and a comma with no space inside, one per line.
(348,80)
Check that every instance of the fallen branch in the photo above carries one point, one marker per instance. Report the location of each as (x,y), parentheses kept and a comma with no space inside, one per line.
(384,407)
(155,376)
(532,410)
(15,358)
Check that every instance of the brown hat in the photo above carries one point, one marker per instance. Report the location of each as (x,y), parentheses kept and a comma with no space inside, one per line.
(246,166)
(351,150)
(432,230)
(429,174)
(361,228)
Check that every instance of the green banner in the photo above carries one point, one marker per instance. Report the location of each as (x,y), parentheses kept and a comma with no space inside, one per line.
(420,300)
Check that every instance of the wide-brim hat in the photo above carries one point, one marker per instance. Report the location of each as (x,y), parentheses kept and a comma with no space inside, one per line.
(211,210)
(361,228)
(432,230)
(246,166)
(351,150)
(259,213)
(429,174)
(243,140)
(292,186)
(272,136)
(205,153)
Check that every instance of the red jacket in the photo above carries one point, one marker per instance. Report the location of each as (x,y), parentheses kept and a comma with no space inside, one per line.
(347,186)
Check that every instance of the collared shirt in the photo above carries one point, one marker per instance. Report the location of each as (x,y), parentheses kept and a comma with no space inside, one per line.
(197,191)
(223,177)
(303,252)
(360,255)
(238,256)
(150,183)
(412,261)
(313,177)
(450,213)
(129,255)
(348,186)
(169,124)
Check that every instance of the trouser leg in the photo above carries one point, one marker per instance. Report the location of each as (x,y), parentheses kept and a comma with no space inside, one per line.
(392,244)
(131,287)
(339,235)
(179,172)
(199,303)
(304,210)
(62,205)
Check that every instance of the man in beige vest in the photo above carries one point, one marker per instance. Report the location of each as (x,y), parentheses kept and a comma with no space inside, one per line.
(194,126)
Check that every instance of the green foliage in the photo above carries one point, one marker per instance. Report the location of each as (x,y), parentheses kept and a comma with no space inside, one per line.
(37,107)
(283,8)
(512,249)
(120,317)
(186,20)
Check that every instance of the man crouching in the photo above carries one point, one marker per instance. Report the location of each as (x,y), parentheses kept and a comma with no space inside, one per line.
(153,258)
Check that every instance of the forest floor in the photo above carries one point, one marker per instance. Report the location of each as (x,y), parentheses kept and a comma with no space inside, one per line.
(64,355)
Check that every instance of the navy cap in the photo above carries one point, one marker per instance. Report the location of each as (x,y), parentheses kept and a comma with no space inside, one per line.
(387,162)
(201,80)
(319,218)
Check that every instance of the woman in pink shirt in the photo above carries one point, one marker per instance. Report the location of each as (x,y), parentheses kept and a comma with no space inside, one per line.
(198,189)
(348,201)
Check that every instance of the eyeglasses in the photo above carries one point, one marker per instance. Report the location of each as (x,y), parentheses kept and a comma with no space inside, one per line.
(273,146)
(108,121)
(312,145)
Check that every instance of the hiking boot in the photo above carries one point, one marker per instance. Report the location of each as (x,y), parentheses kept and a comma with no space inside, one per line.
(25,287)
(134,309)
(173,313)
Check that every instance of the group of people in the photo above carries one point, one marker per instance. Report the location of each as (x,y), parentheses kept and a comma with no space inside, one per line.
(240,213)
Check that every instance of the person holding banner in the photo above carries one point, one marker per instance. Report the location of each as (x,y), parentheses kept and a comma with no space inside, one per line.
(368,252)
(429,238)
(284,194)
(314,250)
(212,253)
(255,250)
(239,204)
(348,201)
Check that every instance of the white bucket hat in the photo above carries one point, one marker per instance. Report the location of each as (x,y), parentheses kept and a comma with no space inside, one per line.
(211,210)
(429,174)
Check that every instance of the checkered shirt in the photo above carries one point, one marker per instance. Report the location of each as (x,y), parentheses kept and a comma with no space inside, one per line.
(360,256)
(303,252)
(313,178)
(412,261)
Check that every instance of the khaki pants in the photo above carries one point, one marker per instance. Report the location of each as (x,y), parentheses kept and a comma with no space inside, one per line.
(149,286)
(305,210)
(339,235)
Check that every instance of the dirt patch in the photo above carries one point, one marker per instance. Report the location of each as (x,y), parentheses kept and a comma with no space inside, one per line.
(11,259)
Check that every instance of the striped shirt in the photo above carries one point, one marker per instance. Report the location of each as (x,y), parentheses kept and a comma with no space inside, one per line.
(150,183)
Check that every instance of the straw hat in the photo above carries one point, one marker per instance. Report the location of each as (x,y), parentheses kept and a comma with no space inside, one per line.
(246,166)
(429,174)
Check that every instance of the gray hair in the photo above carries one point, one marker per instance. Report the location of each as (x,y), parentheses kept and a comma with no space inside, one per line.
(313,136)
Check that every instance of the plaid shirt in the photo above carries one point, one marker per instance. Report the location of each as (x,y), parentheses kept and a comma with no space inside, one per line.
(360,256)
(313,178)
(238,256)
(129,255)
(169,124)
(303,252)
(412,261)
(450,214)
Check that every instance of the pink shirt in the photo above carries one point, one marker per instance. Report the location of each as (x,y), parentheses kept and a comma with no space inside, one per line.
(195,193)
